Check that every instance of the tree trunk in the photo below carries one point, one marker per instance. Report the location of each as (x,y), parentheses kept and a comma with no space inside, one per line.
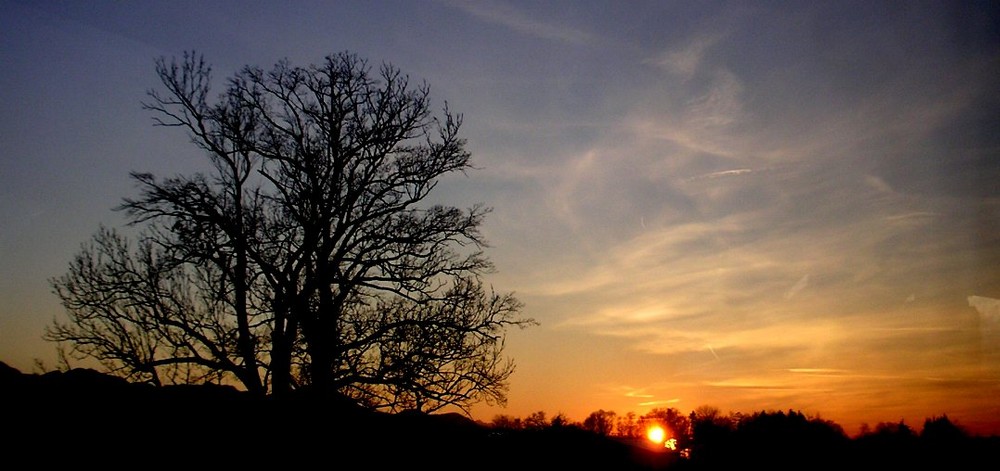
(282,339)
(245,341)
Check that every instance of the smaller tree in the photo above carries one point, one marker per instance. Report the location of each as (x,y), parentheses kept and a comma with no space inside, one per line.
(601,422)
(941,430)
(895,429)
(536,421)
(559,421)
(506,422)
(628,426)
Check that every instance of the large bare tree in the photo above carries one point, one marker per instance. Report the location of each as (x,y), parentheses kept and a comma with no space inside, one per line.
(305,254)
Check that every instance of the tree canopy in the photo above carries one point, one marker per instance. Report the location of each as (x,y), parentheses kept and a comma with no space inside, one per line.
(305,254)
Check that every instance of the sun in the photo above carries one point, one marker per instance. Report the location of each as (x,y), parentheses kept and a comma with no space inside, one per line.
(656,434)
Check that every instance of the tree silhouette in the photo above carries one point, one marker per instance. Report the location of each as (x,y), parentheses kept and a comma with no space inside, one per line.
(628,426)
(941,429)
(306,255)
(601,422)
(536,421)
(711,435)
(890,444)
(789,439)
(506,422)
(560,421)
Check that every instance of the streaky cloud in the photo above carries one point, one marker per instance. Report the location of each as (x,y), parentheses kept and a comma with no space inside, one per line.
(746,385)
(818,371)
(722,173)
(686,60)
(912,216)
(510,17)
(798,286)
(659,403)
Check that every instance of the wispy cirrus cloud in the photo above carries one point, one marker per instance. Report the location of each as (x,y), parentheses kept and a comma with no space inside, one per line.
(506,15)
(686,60)
(751,228)
(721,174)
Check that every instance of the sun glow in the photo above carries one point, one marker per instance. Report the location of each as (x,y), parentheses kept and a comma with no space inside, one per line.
(656,434)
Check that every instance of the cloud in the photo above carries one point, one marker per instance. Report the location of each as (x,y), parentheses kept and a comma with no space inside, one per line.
(658,403)
(718,292)
(747,384)
(789,335)
(699,117)
(988,308)
(686,60)
(638,394)
(799,286)
(638,261)
(989,322)
(506,15)
(817,371)
(758,227)
(721,174)
(878,184)
(720,105)
(649,396)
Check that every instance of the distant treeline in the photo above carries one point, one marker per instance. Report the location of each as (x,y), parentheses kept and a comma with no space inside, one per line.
(80,417)
(708,439)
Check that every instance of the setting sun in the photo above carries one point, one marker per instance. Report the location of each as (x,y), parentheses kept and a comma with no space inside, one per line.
(656,434)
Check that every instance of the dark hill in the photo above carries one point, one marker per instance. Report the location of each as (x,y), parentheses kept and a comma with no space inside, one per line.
(83,417)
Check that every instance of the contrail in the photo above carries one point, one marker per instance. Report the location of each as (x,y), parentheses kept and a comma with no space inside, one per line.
(713,351)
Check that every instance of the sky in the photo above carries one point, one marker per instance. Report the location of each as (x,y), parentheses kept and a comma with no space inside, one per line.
(747,205)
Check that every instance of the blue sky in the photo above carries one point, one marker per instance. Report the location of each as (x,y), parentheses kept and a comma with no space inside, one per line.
(742,204)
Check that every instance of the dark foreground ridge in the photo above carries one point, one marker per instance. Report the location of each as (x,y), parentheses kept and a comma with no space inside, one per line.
(83,417)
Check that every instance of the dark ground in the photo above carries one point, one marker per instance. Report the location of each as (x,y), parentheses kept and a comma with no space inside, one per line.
(83,418)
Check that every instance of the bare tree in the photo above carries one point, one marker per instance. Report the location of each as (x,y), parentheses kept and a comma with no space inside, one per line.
(308,245)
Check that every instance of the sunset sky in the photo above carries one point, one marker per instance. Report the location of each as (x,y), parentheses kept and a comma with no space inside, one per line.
(749,205)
